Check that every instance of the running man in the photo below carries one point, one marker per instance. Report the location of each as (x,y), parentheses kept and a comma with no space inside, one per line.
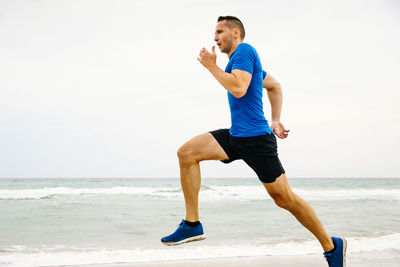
(250,138)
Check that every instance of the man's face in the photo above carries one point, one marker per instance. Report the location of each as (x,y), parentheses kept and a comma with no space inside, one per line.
(223,37)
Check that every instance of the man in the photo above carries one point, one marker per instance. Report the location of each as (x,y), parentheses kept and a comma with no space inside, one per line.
(249,138)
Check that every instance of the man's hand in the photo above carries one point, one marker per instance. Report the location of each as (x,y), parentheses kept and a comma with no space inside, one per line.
(279,129)
(206,58)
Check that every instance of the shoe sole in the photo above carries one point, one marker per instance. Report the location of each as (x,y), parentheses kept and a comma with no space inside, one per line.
(187,240)
(344,251)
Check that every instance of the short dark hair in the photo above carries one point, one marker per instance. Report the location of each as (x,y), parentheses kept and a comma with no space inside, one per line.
(234,22)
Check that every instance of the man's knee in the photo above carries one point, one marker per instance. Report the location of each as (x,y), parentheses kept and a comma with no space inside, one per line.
(285,201)
(186,155)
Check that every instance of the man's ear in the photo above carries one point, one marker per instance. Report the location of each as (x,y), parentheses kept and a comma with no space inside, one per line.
(236,32)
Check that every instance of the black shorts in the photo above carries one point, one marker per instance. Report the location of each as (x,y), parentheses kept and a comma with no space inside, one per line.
(259,152)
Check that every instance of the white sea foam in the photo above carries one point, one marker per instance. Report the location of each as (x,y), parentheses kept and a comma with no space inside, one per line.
(60,255)
(210,193)
(259,193)
(53,191)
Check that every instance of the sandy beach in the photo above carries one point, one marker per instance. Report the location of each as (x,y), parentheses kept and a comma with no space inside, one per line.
(365,259)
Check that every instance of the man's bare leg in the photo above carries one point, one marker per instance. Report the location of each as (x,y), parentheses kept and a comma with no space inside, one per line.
(284,197)
(199,148)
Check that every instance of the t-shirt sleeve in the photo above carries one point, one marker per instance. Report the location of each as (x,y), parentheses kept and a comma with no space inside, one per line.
(244,59)
(264,74)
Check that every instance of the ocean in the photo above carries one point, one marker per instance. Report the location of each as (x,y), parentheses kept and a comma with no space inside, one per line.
(53,222)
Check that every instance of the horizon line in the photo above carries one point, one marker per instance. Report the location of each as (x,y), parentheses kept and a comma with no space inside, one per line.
(325,177)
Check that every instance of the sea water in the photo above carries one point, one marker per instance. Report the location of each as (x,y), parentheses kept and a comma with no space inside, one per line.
(49,222)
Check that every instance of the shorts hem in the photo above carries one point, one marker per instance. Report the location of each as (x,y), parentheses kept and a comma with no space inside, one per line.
(270,180)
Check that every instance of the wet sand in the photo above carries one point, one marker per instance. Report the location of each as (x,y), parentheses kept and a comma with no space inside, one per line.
(364,259)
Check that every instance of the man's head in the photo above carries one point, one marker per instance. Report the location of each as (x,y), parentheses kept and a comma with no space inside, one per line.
(228,33)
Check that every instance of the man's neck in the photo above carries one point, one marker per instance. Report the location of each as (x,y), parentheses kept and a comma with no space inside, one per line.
(233,49)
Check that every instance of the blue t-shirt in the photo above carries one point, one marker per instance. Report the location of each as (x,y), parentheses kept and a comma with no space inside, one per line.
(247,114)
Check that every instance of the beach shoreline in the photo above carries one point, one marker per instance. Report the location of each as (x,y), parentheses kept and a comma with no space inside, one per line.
(387,258)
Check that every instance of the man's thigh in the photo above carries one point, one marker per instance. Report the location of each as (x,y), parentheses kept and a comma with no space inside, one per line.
(203,147)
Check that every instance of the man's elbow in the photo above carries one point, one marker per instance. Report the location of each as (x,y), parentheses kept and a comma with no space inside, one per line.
(276,87)
(239,92)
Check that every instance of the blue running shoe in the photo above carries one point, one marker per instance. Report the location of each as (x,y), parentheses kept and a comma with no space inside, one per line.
(338,257)
(184,234)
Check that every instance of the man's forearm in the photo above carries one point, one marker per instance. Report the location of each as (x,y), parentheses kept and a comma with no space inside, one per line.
(227,80)
(275,98)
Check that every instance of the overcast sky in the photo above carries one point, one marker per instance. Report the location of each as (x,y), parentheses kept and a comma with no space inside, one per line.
(113,88)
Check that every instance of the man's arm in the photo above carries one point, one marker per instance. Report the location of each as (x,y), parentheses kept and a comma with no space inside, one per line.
(274,91)
(236,82)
